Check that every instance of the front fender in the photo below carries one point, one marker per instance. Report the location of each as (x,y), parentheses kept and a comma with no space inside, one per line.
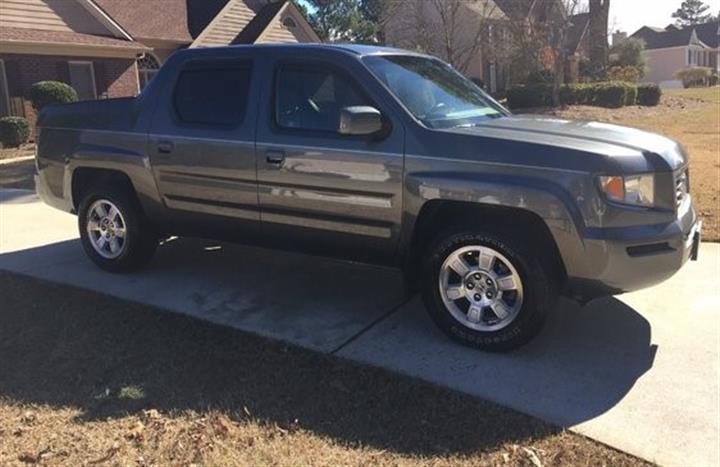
(548,201)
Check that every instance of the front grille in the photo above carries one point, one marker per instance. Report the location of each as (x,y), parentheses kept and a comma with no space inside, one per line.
(682,186)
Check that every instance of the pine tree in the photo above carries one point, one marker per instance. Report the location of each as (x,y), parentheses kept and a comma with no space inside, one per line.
(692,12)
(346,20)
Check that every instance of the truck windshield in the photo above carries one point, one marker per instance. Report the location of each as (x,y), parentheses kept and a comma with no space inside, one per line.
(433,92)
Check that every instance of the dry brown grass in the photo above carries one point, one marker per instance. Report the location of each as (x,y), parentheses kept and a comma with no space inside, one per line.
(692,117)
(87,379)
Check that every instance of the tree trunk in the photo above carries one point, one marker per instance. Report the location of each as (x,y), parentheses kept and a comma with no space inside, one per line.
(599,10)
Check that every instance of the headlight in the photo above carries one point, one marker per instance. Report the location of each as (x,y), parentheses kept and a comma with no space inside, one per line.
(638,190)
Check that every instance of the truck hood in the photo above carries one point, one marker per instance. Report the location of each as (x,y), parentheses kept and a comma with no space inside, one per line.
(633,149)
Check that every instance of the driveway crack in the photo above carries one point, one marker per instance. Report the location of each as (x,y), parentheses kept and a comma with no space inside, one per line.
(372,324)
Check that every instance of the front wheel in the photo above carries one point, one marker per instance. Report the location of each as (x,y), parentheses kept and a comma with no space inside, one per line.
(486,291)
(114,232)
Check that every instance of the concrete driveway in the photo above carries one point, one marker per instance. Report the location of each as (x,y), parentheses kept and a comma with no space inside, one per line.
(639,372)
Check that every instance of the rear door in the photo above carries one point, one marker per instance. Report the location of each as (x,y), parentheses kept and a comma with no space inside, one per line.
(320,190)
(201,142)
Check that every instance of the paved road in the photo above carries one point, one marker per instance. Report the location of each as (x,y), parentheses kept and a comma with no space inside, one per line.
(639,372)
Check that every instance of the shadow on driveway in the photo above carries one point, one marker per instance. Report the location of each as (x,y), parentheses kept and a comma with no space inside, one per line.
(64,346)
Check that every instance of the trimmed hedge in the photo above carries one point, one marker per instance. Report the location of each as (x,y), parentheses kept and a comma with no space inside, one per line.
(611,94)
(14,131)
(648,94)
(45,93)
(534,95)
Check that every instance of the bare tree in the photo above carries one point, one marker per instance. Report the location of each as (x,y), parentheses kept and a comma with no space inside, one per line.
(559,24)
(540,41)
(599,11)
(456,30)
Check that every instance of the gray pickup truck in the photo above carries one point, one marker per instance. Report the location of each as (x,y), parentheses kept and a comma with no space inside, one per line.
(378,155)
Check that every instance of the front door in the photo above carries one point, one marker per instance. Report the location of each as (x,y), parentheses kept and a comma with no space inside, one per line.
(332,193)
(202,143)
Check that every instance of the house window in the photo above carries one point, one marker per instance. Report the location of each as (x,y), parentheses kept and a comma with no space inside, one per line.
(148,67)
(288,22)
(82,79)
(4,95)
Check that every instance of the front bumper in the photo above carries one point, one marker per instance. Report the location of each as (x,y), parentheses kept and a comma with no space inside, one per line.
(620,260)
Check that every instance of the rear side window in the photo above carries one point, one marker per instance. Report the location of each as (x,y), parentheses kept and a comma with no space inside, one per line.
(311,99)
(212,94)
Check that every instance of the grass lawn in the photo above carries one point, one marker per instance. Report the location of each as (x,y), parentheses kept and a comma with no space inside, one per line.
(90,379)
(692,117)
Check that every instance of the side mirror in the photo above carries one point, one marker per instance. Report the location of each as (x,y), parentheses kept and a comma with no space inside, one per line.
(360,120)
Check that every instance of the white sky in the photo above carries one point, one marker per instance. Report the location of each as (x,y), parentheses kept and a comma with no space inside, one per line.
(631,15)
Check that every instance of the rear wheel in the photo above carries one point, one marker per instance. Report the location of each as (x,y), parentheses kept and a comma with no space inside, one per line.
(114,232)
(486,290)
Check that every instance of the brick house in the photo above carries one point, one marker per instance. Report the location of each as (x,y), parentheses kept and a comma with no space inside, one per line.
(111,48)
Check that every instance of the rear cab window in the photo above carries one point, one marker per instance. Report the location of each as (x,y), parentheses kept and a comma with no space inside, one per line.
(212,93)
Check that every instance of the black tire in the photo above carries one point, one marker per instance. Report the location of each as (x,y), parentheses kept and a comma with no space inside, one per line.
(536,274)
(141,240)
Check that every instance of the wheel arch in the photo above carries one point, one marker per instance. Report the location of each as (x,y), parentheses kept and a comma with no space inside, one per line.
(86,178)
(518,207)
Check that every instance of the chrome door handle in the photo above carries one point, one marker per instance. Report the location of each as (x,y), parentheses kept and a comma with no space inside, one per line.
(275,158)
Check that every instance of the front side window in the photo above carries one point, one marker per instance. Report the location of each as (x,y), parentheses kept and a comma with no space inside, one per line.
(312,98)
(212,94)
(433,92)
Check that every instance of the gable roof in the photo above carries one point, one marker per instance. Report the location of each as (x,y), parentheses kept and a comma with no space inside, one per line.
(148,19)
(257,21)
(258,24)
(577,31)
(231,20)
(515,9)
(656,38)
(709,33)
(199,23)
(60,27)
(171,20)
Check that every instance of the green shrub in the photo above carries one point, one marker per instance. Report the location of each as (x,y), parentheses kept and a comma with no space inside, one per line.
(14,131)
(611,94)
(577,94)
(648,94)
(569,94)
(631,92)
(624,73)
(45,93)
(694,77)
(714,80)
(534,95)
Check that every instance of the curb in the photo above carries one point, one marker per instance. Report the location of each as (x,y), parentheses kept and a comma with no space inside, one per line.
(16,159)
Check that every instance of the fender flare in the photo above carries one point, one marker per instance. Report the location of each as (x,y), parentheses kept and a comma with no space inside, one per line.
(548,201)
(136,167)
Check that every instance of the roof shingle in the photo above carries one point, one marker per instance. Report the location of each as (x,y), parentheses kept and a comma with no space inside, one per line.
(173,20)
(673,37)
(65,37)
